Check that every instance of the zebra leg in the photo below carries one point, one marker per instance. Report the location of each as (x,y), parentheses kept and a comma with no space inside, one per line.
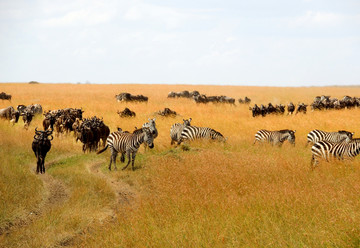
(129,160)
(133,160)
(122,159)
(113,158)
(313,162)
(254,141)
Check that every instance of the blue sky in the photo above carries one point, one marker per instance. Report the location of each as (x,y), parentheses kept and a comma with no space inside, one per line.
(260,42)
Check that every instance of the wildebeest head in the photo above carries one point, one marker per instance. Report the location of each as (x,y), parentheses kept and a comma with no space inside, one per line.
(43,135)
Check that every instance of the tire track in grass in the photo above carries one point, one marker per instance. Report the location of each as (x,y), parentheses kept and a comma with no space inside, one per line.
(55,193)
(125,195)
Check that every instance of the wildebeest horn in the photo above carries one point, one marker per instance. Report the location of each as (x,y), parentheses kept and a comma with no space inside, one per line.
(35,137)
(36,131)
(52,137)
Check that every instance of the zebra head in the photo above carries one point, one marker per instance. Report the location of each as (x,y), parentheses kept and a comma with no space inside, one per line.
(148,136)
(152,126)
(348,136)
(291,137)
(215,135)
(187,122)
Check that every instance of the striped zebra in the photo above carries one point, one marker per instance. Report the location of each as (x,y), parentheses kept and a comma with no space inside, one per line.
(193,133)
(335,137)
(275,137)
(152,126)
(176,130)
(329,150)
(127,143)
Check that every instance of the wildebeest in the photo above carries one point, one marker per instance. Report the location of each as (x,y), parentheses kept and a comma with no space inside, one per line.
(5,96)
(41,146)
(255,110)
(290,108)
(301,108)
(167,112)
(7,113)
(126,113)
(127,97)
(246,100)
(27,117)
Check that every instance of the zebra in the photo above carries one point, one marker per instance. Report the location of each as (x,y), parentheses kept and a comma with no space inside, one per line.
(176,130)
(128,143)
(275,137)
(152,126)
(335,137)
(193,132)
(330,150)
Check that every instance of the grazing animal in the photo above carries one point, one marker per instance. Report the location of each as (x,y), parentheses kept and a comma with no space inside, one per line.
(176,130)
(329,150)
(5,96)
(27,117)
(275,137)
(193,133)
(301,108)
(6,113)
(335,137)
(127,143)
(41,146)
(290,108)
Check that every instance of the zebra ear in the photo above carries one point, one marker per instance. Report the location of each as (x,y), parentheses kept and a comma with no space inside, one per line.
(294,131)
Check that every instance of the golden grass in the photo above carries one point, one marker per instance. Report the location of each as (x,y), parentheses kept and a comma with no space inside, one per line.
(215,195)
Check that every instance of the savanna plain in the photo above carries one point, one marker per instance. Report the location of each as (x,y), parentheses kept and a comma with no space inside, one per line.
(208,195)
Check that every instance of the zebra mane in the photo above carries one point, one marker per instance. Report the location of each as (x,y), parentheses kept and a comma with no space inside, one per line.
(138,131)
(218,133)
(284,131)
(343,132)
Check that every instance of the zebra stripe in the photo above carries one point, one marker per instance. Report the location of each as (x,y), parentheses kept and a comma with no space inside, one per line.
(176,130)
(335,137)
(129,143)
(275,137)
(329,150)
(192,133)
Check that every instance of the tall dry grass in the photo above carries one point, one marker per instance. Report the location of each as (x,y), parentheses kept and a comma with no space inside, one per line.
(214,195)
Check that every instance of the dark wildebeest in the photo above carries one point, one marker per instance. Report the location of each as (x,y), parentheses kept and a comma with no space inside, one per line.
(167,112)
(301,108)
(255,110)
(41,146)
(126,113)
(5,96)
(27,117)
(290,108)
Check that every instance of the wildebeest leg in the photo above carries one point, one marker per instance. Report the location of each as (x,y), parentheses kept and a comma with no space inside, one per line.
(43,165)
(38,165)
(128,153)
(133,160)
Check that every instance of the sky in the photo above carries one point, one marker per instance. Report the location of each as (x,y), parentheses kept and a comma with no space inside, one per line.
(222,42)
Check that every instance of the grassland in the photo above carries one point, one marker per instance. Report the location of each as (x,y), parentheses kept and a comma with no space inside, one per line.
(214,195)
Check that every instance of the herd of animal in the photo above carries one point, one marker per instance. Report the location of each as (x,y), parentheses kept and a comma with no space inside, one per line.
(319,103)
(93,132)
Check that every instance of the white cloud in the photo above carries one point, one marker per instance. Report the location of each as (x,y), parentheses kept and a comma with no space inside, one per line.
(171,17)
(318,19)
(89,14)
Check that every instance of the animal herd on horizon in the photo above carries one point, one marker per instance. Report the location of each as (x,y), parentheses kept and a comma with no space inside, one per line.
(93,132)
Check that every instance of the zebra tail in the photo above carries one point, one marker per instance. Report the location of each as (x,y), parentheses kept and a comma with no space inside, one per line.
(102,150)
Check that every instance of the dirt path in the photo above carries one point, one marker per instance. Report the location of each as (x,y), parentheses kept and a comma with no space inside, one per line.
(124,193)
(55,193)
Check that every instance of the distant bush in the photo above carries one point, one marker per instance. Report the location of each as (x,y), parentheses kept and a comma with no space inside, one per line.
(33,82)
